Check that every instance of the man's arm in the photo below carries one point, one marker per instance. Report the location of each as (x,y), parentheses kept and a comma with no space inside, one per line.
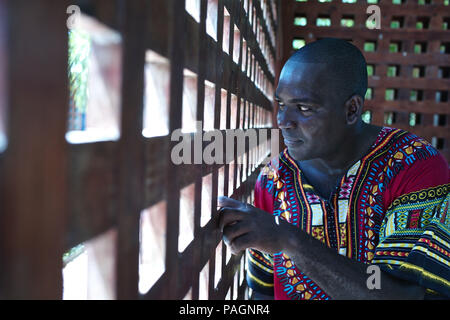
(339,276)
(259,296)
(245,226)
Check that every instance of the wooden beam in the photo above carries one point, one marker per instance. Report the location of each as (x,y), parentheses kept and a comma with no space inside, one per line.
(33,204)
(93,191)
(131,149)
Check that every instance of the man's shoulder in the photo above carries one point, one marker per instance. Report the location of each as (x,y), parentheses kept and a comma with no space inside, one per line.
(406,154)
(407,147)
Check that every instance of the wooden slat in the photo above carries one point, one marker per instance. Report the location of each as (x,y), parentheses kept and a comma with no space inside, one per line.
(284,34)
(93,191)
(264,25)
(131,151)
(217,110)
(157,42)
(105,11)
(274,22)
(387,8)
(158,20)
(227,68)
(177,20)
(200,117)
(227,277)
(411,83)
(244,24)
(206,241)
(424,107)
(33,202)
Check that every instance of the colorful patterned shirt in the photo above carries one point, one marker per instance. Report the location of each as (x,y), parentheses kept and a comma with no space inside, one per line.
(390,209)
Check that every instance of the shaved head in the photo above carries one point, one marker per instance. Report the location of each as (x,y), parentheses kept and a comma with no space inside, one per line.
(320,96)
(343,63)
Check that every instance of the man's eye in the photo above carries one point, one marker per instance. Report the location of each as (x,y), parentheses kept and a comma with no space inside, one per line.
(303,108)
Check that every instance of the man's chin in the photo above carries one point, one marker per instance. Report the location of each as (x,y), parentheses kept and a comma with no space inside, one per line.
(299,154)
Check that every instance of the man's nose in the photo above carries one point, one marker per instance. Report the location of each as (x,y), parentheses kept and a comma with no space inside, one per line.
(285,120)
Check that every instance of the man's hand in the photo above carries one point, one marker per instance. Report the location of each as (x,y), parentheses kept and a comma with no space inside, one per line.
(245,226)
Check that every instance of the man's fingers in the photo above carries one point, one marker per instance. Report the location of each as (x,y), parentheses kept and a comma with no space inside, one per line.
(241,243)
(229,215)
(223,201)
(232,231)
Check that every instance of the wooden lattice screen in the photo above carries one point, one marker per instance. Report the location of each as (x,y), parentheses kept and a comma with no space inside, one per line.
(217,57)
(408,57)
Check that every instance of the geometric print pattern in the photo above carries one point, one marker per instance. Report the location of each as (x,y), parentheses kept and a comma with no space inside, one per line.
(415,241)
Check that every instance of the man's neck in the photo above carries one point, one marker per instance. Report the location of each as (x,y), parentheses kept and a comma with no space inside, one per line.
(353,147)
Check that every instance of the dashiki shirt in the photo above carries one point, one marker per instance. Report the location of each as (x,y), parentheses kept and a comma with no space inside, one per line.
(390,209)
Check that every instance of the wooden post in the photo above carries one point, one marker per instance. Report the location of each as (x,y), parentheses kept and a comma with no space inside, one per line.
(33,168)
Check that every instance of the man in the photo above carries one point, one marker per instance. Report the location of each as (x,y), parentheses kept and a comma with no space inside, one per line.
(343,195)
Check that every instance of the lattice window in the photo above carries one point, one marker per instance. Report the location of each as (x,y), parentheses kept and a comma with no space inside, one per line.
(215,70)
(95,79)
(95,202)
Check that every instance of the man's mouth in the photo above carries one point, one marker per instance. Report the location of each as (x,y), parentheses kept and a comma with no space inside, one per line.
(291,142)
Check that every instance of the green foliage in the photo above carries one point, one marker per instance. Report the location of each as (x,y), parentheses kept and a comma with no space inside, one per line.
(369,46)
(366,116)
(389,118)
(298,43)
(347,22)
(73,253)
(390,95)
(395,24)
(393,47)
(369,94)
(371,23)
(419,48)
(300,21)
(416,72)
(412,119)
(79,50)
(392,71)
(323,22)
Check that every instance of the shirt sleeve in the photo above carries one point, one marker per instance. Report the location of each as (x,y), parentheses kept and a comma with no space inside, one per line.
(259,264)
(414,237)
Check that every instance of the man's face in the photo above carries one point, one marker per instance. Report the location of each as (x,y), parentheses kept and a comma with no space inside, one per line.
(311,114)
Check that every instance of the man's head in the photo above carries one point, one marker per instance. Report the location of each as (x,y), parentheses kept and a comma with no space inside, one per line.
(320,93)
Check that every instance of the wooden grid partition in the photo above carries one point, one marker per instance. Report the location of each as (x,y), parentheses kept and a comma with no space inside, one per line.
(408,57)
(214,57)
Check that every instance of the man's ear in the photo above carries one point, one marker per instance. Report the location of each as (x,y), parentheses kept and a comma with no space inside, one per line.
(353,109)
